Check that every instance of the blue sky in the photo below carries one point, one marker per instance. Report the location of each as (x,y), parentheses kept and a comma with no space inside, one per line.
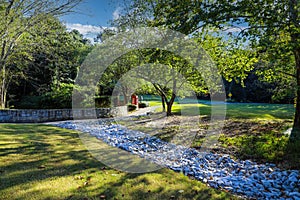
(91,15)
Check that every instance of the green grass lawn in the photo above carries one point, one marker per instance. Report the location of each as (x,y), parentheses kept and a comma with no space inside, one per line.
(235,110)
(45,162)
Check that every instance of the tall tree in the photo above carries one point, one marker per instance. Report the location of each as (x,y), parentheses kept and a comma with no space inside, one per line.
(234,60)
(170,75)
(50,57)
(271,27)
(16,18)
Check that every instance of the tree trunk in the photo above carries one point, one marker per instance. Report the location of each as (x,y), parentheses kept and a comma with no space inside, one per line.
(169,108)
(3,89)
(163,104)
(296,126)
(3,97)
(170,104)
(126,101)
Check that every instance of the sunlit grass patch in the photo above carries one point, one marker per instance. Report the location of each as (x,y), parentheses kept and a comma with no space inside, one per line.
(265,148)
(260,111)
(154,103)
(233,110)
(45,162)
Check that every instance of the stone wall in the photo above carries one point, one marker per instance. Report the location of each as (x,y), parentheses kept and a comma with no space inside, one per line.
(47,115)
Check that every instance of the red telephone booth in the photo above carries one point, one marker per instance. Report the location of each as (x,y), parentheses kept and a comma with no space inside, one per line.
(134,99)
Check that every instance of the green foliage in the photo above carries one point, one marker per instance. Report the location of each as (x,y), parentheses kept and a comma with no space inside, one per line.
(28,102)
(118,78)
(55,56)
(270,28)
(284,93)
(103,101)
(258,90)
(150,71)
(234,61)
(17,21)
(59,97)
(146,88)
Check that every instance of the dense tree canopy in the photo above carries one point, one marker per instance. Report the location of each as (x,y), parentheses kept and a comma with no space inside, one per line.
(257,48)
(56,56)
(17,18)
(270,28)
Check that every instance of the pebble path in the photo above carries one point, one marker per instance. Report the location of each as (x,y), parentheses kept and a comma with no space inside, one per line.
(242,177)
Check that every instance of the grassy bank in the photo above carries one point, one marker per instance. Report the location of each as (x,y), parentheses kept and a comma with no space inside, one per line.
(251,131)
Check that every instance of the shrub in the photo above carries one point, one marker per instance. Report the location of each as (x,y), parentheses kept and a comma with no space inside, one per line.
(143,105)
(29,102)
(102,101)
(131,107)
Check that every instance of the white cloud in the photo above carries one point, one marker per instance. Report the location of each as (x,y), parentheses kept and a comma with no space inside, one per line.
(116,13)
(88,31)
(234,29)
(85,29)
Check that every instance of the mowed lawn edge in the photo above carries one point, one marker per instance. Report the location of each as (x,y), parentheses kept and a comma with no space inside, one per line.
(45,162)
(233,110)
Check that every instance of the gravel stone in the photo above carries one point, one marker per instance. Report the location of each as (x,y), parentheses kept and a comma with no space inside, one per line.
(246,178)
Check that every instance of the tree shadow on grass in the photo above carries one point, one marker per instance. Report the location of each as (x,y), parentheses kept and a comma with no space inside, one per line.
(47,153)
(144,188)
(36,155)
(46,166)
(147,186)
